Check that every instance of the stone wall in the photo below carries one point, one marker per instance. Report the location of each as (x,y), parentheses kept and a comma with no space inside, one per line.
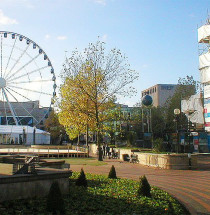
(93,148)
(29,186)
(6,169)
(167,161)
(164,161)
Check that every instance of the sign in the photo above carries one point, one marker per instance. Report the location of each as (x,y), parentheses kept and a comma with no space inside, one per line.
(206,101)
(196,147)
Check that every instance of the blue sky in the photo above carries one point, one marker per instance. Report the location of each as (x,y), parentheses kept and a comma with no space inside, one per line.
(159,37)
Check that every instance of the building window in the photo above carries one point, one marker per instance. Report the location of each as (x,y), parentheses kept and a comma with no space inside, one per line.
(166,87)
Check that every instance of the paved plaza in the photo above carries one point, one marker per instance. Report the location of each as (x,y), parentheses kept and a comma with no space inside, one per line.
(191,187)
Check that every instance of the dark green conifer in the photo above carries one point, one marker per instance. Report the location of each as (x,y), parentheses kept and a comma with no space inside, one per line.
(144,187)
(112,173)
(55,201)
(81,181)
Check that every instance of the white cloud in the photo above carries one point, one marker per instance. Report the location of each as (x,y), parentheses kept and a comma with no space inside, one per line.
(62,37)
(47,36)
(102,2)
(5,20)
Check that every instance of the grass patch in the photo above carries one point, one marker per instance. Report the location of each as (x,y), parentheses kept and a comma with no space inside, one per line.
(102,196)
(81,161)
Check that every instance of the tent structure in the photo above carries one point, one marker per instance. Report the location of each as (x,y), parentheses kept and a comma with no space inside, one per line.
(193,109)
(204,67)
(26,135)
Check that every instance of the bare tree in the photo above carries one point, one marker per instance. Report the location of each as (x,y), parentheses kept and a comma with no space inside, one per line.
(101,77)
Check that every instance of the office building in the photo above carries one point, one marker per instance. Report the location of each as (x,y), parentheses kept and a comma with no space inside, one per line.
(160,93)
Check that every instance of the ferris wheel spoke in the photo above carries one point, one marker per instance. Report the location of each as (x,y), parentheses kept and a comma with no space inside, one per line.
(10,56)
(10,106)
(1,55)
(34,91)
(25,82)
(26,74)
(20,104)
(5,112)
(23,96)
(24,51)
(23,66)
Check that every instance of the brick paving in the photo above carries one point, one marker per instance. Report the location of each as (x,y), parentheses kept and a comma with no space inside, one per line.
(191,187)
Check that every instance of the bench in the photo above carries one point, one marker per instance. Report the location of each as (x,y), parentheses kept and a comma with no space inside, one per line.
(134,159)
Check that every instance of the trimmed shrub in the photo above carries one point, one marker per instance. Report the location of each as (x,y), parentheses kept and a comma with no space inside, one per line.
(170,208)
(144,187)
(112,173)
(81,181)
(159,145)
(55,201)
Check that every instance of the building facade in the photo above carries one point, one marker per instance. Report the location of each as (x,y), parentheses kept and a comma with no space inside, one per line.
(27,113)
(160,93)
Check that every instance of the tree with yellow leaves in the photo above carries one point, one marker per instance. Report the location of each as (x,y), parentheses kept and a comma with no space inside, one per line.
(91,82)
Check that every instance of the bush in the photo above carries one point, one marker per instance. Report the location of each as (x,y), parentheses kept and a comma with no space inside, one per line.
(112,173)
(55,201)
(159,145)
(81,181)
(144,187)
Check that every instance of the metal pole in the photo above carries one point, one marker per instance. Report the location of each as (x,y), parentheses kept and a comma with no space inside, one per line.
(34,136)
(148,123)
(151,126)
(142,117)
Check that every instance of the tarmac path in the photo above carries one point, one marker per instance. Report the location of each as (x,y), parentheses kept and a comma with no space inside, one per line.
(191,187)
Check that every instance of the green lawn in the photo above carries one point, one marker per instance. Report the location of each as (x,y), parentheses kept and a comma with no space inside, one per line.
(82,161)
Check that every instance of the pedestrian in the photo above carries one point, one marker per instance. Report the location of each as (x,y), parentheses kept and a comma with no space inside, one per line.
(104,149)
(107,150)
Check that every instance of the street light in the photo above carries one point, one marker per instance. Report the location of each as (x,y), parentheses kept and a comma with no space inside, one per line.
(24,135)
(176,113)
(34,136)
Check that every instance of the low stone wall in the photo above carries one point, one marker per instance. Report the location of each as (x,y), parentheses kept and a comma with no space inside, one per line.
(6,169)
(164,161)
(29,186)
(167,161)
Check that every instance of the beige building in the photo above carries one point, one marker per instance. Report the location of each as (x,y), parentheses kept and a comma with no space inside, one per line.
(160,93)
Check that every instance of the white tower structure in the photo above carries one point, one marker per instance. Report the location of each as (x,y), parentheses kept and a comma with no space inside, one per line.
(204,67)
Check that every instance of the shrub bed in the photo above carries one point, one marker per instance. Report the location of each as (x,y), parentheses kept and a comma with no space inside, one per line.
(103,196)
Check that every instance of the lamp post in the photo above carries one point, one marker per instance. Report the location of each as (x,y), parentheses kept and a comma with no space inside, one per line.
(176,113)
(147,101)
(34,136)
(24,135)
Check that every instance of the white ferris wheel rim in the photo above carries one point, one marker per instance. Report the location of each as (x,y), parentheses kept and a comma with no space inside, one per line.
(10,80)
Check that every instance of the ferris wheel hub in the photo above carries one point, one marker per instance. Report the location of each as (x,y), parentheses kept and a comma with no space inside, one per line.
(2,83)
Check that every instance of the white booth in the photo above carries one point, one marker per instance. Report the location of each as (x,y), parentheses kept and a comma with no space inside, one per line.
(26,135)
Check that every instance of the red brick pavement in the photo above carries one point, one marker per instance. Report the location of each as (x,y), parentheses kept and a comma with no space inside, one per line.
(191,187)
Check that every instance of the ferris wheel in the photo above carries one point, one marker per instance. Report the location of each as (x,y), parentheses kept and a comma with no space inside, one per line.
(27,81)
